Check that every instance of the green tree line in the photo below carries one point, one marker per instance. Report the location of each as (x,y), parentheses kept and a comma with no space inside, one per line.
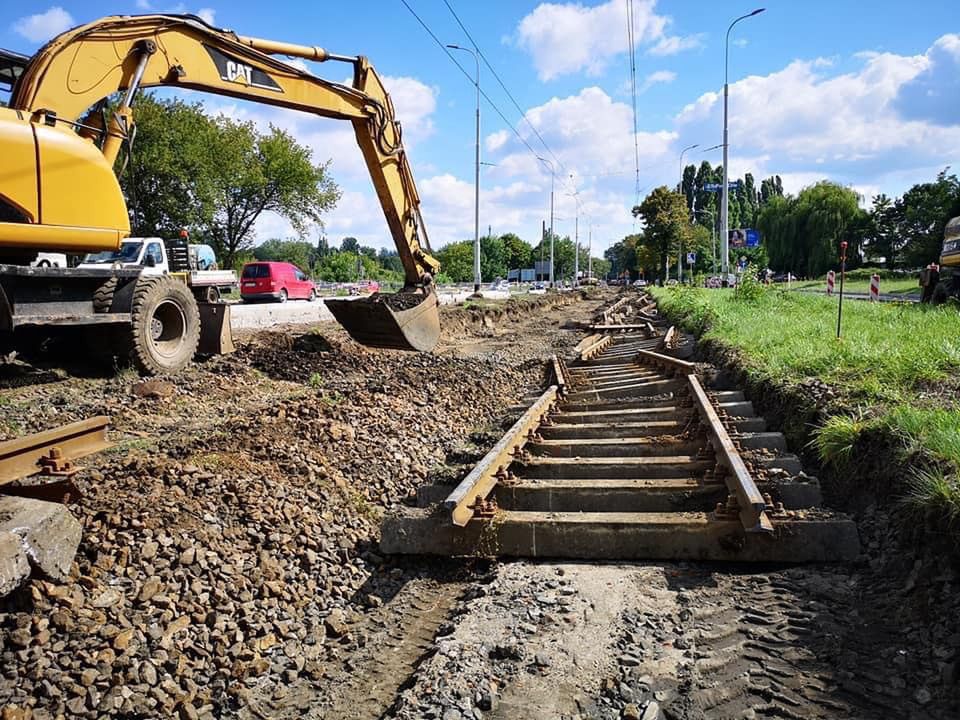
(799,233)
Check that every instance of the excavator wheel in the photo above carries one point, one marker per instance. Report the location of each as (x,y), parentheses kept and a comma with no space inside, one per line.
(164,326)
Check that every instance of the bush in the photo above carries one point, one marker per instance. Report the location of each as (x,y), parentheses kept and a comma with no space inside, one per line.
(749,289)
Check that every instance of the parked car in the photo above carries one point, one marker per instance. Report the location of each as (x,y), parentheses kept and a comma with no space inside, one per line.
(364,286)
(275,281)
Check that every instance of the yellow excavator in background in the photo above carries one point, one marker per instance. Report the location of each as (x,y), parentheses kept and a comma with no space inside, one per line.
(59,191)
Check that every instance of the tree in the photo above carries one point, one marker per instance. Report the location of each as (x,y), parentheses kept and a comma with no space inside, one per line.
(339,267)
(298,252)
(217,176)
(923,212)
(666,225)
(519,253)
(350,245)
(456,260)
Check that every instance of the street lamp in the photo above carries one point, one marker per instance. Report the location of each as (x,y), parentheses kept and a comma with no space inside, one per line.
(576,235)
(724,220)
(476,201)
(680,188)
(553,178)
(688,147)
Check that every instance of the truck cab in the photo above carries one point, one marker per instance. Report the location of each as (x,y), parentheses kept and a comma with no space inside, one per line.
(195,263)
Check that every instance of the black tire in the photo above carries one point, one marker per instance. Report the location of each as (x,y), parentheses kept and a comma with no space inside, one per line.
(103,297)
(212,294)
(313,295)
(283,295)
(43,264)
(940,295)
(164,326)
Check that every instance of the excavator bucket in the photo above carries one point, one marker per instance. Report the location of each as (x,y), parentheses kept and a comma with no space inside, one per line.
(400,321)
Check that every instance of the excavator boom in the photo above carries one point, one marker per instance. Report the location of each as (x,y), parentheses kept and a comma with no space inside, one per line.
(73,74)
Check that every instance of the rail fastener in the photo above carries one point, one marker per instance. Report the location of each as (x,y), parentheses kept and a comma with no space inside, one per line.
(478,484)
(51,453)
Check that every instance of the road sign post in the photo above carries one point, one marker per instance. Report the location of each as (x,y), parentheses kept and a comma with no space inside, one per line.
(843,271)
(875,288)
(831,280)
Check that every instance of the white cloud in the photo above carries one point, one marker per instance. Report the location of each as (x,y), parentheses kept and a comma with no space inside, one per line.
(143,4)
(567,38)
(207,15)
(675,44)
(44,26)
(658,77)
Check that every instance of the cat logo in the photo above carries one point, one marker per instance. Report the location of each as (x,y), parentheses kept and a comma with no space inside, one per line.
(233,70)
(238,72)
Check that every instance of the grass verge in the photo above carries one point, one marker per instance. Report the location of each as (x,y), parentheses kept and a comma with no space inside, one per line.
(892,379)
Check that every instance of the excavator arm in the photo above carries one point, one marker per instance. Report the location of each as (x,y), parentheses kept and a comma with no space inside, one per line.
(78,69)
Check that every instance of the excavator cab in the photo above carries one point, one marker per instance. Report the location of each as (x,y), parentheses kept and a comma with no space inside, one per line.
(398,321)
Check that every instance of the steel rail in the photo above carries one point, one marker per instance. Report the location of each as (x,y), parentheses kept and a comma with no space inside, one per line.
(50,451)
(596,347)
(483,478)
(560,376)
(672,363)
(752,507)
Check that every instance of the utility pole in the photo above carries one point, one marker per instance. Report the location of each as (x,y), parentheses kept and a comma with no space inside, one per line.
(553,179)
(590,251)
(476,183)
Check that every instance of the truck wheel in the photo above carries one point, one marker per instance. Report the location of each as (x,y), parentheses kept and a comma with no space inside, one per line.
(103,297)
(164,326)
(212,294)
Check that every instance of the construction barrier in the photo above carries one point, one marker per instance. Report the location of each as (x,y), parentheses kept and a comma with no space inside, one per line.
(875,288)
(831,278)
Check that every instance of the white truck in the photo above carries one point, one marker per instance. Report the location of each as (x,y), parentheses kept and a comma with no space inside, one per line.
(170,257)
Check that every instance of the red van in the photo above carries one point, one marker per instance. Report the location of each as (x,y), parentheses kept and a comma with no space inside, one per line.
(275,281)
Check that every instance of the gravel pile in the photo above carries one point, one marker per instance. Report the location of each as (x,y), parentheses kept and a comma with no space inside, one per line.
(230,542)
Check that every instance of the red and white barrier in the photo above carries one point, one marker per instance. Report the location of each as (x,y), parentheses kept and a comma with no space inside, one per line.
(875,288)
(831,279)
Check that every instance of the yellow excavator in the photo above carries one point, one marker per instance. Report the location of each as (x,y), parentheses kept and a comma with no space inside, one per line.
(59,191)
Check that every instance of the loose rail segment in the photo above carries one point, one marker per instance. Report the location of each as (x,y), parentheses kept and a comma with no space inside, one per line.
(50,452)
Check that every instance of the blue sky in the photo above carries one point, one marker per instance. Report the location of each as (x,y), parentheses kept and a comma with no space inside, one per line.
(869,98)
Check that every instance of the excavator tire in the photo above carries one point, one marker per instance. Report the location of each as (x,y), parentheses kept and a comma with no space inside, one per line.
(164,326)
(103,297)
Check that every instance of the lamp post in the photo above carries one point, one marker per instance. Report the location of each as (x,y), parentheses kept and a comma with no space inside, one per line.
(576,235)
(680,188)
(476,200)
(724,220)
(553,178)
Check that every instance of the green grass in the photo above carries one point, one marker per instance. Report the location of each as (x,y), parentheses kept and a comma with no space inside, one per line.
(901,286)
(895,370)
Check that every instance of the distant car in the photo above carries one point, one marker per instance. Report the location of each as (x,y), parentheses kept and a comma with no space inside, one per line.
(539,286)
(278,281)
(639,283)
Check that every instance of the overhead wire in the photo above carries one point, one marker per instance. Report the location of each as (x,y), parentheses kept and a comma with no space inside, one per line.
(503,86)
(468,76)
(633,93)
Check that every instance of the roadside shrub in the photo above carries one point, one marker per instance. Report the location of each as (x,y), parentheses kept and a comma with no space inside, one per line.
(749,289)
(834,440)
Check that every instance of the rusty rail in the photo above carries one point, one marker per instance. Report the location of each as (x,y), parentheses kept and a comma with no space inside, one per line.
(671,363)
(483,478)
(560,376)
(750,503)
(596,347)
(51,452)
